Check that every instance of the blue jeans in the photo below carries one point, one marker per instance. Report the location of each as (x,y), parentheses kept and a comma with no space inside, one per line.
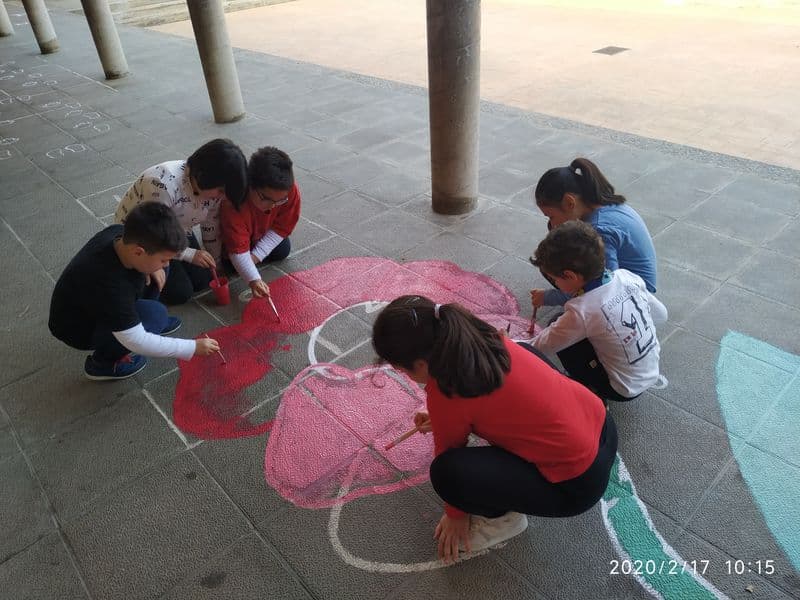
(106,347)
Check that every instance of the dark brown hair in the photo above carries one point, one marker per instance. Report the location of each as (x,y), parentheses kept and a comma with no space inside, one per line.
(465,355)
(581,177)
(154,227)
(573,246)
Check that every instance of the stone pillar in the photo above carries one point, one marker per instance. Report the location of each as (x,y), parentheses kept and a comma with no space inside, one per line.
(39,19)
(214,46)
(6,28)
(106,38)
(454,41)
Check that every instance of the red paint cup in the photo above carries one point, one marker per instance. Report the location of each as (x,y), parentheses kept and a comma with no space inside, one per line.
(221,290)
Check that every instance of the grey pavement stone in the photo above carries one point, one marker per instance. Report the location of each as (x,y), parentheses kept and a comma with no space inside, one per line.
(246,570)
(701,250)
(48,400)
(650,452)
(737,217)
(50,198)
(656,223)
(421,207)
(402,152)
(313,188)
(675,188)
(570,145)
(25,347)
(105,202)
(688,362)
(25,299)
(500,183)
(567,558)
(298,119)
(8,443)
(344,332)
(391,233)
(520,277)
(42,570)
(343,211)
(682,290)
(335,247)
(734,309)
(771,274)
(358,357)
(23,183)
(354,171)
(711,562)
(307,234)
(312,158)
(396,187)
(329,129)
(24,514)
(91,183)
(622,164)
(12,161)
(371,112)
(765,194)
(362,139)
(786,241)
(730,519)
(177,512)
(299,533)
(98,454)
(504,228)
(55,245)
(468,254)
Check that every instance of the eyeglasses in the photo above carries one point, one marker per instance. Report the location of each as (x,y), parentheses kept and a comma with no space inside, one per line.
(264,198)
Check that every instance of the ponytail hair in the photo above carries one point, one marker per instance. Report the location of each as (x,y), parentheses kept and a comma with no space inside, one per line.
(581,177)
(465,355)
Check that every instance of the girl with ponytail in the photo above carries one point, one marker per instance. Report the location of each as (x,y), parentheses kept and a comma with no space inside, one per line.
(581,192)
(551,442)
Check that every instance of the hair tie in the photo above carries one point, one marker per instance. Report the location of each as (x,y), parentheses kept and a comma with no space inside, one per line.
(436,308)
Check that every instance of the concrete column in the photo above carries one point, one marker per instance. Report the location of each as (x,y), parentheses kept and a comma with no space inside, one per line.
(214,45)
(106,38)
(454,42)
(39,19)
(6,28)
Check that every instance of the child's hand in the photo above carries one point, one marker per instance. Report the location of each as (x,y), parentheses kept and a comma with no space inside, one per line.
(537,298)
(204,259)
(159,278)
(259,288)
(423,422)
(205,346)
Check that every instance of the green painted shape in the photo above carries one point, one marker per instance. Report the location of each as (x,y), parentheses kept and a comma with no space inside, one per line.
(639,540)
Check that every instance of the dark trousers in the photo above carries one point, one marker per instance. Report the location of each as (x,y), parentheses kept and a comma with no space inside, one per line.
(107,349)
(581,363)
(490,481)
(184,279)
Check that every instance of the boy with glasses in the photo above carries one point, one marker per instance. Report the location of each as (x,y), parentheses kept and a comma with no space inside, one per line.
(257,228)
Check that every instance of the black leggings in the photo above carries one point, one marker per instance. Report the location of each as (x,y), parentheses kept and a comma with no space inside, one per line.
(490,481)
(581,364)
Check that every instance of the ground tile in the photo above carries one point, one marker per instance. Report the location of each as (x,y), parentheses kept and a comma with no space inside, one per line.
(176,512)
(701,250)
(246,570)
(771,274)
(651,450)
(734,309)
(119,443)
(42,570)
(391,233)
(729,516)
(24,514)
(466,253)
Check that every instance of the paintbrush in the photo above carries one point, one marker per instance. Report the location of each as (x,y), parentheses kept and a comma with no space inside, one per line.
(224,362)
(532,328)
(275,310)
(402,438)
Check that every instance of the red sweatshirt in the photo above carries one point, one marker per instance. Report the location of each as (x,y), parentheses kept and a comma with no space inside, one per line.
(538,414)
(243,228)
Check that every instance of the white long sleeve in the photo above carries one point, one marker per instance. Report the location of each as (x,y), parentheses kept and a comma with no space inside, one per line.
(137,340)
(657,309)
(567,330)
(267,244)
(245,266)
(187,255)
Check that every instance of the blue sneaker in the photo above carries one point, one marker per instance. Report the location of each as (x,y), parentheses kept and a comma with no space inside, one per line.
(173,324)
(127,366)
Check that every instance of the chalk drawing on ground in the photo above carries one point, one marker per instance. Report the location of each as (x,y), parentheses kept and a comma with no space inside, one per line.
(211,400)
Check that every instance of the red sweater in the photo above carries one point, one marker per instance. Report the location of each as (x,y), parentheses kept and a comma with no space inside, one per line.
(538,414)
(243,228)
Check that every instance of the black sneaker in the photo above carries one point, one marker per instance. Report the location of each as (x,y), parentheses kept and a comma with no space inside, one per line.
(127,366)
(173,324)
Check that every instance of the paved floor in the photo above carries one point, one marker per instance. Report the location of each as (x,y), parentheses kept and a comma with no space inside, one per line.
(104,496)
(710,74)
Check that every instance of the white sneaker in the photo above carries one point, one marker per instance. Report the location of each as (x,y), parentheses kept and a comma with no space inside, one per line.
(485,533)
